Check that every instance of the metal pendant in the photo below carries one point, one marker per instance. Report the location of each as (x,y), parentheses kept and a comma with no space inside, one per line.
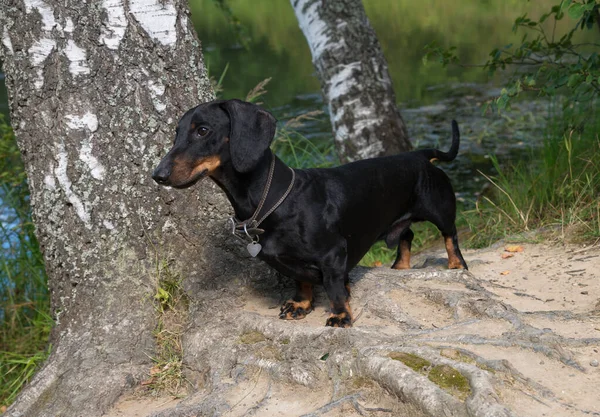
(254,248)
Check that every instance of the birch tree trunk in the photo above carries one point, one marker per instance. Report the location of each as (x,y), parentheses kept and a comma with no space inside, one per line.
(354,78)
(96,88)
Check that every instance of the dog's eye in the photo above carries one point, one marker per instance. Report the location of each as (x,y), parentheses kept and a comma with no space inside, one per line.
(202,131)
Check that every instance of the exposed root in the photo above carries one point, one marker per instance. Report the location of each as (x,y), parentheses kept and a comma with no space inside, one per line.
(326,359)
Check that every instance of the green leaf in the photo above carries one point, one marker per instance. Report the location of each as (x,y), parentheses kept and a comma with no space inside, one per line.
(161,295)
(574,79)
(324,357)
(576,11)
(502,101)
(565,4)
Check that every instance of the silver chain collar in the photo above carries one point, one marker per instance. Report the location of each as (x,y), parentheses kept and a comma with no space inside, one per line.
(250,228)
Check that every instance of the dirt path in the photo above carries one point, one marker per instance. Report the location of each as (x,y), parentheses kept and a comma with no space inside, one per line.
(519,334)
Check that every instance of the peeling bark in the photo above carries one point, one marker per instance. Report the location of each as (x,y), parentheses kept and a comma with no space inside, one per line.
(354,78)
(95,91)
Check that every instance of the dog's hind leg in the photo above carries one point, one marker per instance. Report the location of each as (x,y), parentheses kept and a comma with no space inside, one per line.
(403,257)
(443,215)
(455,258)
(300,305)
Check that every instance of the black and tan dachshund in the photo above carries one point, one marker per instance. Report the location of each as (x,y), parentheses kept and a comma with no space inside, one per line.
(330,218)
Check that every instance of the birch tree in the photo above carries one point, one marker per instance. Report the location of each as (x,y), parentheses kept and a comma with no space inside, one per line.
(95,91)
(354,78)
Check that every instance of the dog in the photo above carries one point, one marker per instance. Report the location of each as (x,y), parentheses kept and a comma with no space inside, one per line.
(319,222)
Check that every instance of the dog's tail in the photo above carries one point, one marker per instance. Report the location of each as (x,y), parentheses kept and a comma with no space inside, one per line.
(433,154)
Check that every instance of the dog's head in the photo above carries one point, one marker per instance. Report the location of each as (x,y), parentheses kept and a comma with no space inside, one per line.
(212,135)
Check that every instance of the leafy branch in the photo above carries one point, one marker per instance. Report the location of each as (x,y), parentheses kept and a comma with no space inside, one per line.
(542,62)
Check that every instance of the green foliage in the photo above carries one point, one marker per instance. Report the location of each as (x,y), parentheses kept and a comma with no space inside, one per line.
(543,62)
(12,172)
(557,185)
(25,321)
(556,188)
(234,23)
(298,151)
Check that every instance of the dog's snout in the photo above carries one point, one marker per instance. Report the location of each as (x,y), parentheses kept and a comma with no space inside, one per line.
(161,175)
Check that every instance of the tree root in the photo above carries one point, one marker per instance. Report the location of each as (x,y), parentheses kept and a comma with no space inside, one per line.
(326,359)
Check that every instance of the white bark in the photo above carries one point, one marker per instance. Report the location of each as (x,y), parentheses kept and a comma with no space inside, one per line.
(95,93)
(354,78)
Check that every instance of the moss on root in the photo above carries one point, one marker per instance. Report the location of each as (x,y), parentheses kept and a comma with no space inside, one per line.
(414,362)
(444,376)
(451,380)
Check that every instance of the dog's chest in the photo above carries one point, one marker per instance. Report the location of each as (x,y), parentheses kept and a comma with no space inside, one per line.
(293,262)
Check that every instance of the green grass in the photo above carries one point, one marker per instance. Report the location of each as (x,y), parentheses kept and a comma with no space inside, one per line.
(25,320)
(171,304)
(555,190)
(300,152)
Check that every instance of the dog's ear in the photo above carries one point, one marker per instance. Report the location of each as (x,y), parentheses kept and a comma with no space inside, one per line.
(252,130)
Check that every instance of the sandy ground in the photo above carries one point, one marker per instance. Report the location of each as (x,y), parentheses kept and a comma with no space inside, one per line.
(554,288)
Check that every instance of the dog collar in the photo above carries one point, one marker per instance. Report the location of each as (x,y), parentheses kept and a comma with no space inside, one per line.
(250,228)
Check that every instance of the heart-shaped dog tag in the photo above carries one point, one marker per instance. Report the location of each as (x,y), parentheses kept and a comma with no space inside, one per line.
(254,248)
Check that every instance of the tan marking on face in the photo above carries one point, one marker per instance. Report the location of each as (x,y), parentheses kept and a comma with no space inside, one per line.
(184,170)
(432,160)
(181,170)
(453,259)
(404,262)
(209,164)
(192,126)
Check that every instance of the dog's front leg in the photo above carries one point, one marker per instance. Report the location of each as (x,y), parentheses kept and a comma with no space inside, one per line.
(335,281)
(300,305)
(339,299)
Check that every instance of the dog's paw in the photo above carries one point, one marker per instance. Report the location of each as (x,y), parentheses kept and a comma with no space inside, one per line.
(295,310)
(455,265)
(342,319)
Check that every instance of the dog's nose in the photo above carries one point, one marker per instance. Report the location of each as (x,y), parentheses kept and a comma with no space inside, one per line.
(161,175)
